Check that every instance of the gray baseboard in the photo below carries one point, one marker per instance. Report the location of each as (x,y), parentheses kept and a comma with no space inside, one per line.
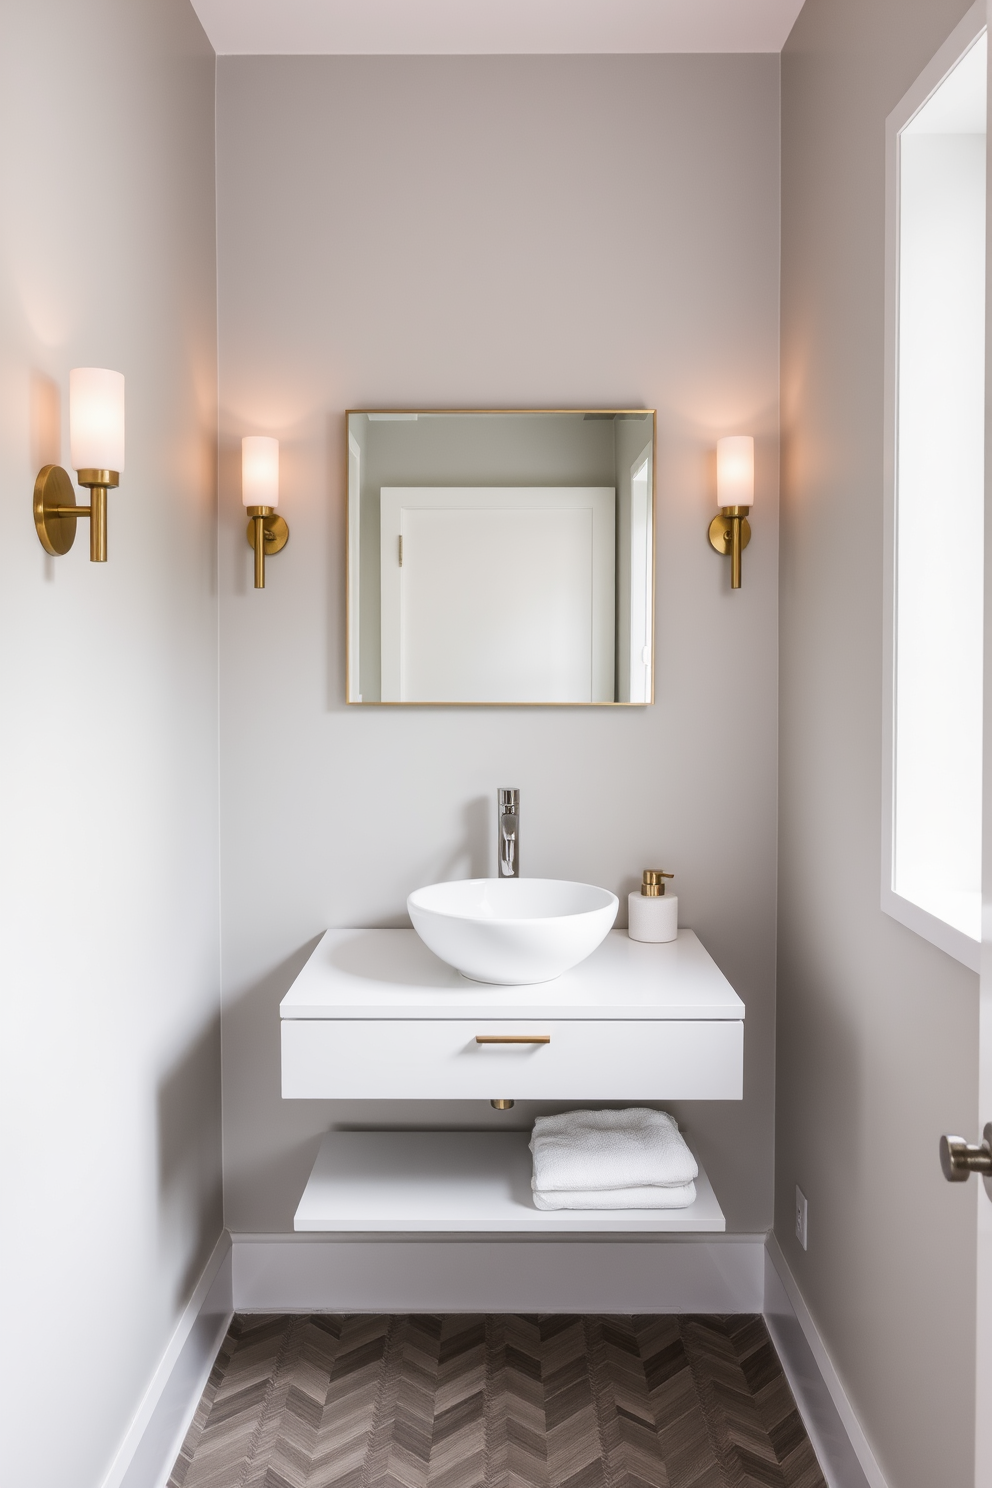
(152,1442)
(320,1273)
(838,1438)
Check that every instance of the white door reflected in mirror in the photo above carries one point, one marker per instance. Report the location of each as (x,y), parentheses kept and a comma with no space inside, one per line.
(496,595)
(641,571)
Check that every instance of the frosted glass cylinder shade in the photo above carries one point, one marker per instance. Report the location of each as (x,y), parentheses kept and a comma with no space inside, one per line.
(735,470)
(259,470)
(96,419)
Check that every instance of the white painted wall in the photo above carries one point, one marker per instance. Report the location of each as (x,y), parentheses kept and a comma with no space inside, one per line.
(109,1058)
(877,1029)
(478,259)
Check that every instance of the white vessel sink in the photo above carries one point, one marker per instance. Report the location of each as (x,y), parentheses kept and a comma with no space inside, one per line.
(512,931)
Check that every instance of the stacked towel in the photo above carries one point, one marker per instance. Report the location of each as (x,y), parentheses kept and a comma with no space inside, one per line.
(679,1196)
(633,1159)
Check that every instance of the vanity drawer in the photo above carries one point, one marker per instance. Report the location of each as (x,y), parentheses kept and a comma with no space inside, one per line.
(584,1060)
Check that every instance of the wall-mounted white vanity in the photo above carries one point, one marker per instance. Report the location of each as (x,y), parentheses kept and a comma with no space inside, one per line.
(375,1015)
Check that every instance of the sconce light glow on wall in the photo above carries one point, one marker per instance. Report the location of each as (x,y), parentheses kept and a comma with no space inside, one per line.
(96,449)
(267,532)
(730,532)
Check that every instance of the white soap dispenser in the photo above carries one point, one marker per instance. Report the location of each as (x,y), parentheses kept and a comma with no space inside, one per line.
(652,914)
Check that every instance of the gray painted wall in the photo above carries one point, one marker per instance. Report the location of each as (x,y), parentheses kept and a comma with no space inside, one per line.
(877,1029)
(109,1058)
(483,256)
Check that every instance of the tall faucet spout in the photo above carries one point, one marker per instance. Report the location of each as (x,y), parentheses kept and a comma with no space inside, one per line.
(509,833)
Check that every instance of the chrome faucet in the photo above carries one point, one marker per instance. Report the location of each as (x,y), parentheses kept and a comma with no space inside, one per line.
(509,833)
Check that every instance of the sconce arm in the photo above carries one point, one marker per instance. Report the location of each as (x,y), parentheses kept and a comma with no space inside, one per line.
(268,533)
(730,533)
(56,511)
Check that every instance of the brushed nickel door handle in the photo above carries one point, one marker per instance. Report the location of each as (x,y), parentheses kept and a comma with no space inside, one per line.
(959,1160)
(513,1038)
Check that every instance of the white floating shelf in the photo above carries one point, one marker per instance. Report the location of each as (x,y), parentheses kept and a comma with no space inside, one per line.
(461,1182)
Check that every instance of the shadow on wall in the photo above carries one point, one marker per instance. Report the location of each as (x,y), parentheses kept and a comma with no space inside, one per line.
(190,1209)
(46,421)
(283,1178)
(475,851)
(46,438)
(835,1086)
(472,855)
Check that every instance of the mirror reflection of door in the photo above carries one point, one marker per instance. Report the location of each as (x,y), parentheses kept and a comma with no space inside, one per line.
(497,594)
(354,557)
(641,571)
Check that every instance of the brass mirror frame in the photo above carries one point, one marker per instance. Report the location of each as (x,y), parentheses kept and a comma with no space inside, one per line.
(478,413)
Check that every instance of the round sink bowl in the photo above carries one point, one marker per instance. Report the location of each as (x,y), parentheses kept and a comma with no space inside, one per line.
(512,931)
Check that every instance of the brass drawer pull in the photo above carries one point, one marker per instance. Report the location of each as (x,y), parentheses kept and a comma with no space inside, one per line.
(513,1038)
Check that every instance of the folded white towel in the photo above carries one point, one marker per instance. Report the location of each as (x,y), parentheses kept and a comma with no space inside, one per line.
(609,1150)
(651,1196)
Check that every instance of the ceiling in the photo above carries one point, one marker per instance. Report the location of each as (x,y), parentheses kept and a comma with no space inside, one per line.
(460,27)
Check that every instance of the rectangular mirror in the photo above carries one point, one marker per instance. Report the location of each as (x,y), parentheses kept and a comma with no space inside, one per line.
(501,557)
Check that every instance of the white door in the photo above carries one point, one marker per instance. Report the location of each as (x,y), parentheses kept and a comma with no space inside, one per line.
(493,594)
(983,1188)
(941,601)
(983,1196)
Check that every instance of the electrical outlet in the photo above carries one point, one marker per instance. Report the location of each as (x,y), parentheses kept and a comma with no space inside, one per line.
(800,1216)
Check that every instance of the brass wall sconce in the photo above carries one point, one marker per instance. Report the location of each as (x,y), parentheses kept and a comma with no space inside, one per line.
(267,531)
(96,449)
(730,532)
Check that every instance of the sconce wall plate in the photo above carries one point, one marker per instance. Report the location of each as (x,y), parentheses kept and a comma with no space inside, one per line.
(55,510)
(274,527)
(721,533)
(274,531)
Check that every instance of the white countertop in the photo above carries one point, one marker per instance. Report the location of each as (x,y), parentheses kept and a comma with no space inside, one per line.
(454,1182)
(392,974)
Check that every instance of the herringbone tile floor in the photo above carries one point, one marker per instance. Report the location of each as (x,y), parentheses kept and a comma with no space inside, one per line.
(496,1402)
